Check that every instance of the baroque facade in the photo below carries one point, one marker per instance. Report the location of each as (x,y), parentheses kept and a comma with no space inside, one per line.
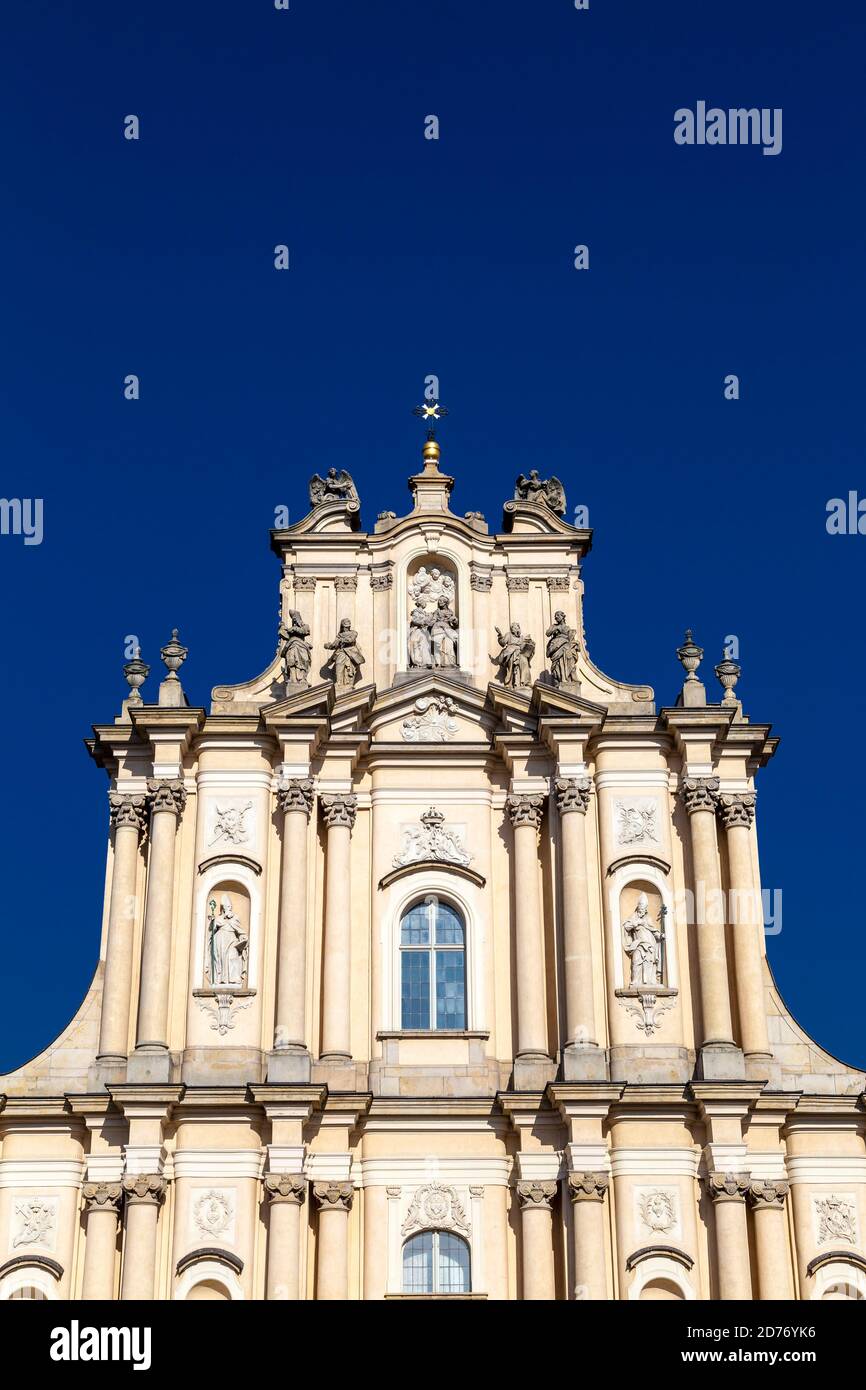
(432,964)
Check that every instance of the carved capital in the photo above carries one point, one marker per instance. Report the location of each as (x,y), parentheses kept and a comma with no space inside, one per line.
(517,583)
(699,793)
(305,583)
(102,1196)
(588,1187)
(296,794)
(533,1196)
(768,1194)
(572,794)
(524,809)
(333,1196)
(728,1187)
(338,809)
(557,583)
(481,581)
(380,582)
(736,809)
(286,1187)
(346,582)
(144,1187)
(127,810)
(166,796)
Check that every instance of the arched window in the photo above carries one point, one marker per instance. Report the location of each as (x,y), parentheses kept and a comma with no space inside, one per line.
(436,1262)
(432,966)
(30,1292)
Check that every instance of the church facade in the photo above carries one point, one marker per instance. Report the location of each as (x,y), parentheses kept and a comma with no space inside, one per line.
(432,964)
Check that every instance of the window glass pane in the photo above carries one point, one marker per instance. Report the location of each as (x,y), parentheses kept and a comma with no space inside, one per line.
(453,1264)
(415,927)
(418,1264)
(415,989)
(450,989)
(449,926)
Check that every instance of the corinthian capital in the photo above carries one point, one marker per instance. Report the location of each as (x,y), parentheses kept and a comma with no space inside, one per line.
(333,1196)
(728,1187)
(102,1196)
(296,794)
(768,1194)
(572,794)
(125,810)
(736,809)
(533,1196)
(524,809)
(588,1187)
(699,793)
(166,796)
(286,1187)
(339,809)
(144,1187)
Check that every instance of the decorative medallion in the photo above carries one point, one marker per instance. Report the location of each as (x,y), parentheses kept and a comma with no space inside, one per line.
(436,1205)
(213,1213)
(228,824)
(432,722)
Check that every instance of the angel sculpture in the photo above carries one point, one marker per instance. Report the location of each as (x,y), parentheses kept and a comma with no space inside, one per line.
(517,650)
(547,491)
(335,487)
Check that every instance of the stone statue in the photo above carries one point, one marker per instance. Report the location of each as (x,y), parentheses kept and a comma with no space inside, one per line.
(428,587)
(443,635)
(643,945)
(227,944)
(336,487)
(548,491)
(562,650)
(420,641)
(295,650)
(514,657)
(348,658)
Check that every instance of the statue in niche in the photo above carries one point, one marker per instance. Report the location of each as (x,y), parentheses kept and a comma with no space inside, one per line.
(548,491)
(562,650)
(429,587)
(420,641)
(348,657)
(336,487)
(443,635)
(642,942)
(227,945)
(294,650)
(516,652)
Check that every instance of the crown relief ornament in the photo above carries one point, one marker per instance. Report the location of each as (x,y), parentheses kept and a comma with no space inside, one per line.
(431,842)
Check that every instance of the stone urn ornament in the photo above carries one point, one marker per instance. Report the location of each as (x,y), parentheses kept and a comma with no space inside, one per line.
(174,654)
(690,656)
(728,672)
(136,672)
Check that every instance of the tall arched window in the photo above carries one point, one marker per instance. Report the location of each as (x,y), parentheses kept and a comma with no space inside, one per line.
(432,966)
(436,1262)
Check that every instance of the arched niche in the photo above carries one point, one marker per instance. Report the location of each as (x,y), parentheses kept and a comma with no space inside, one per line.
(660,1276)
(226,956)
(426,579)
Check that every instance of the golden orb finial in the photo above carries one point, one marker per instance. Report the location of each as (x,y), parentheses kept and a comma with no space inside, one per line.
(431,410)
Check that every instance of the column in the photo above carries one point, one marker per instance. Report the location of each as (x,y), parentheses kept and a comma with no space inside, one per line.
(572,800)
(339,815)
(295,800)
(102,1205)
(128,816)
(143,1193)
(728,1193)
(737,814)
(285,1193)
(334,1200)
(167,801)
(587,1192)
(536,1224)
(526,812)
(699,797)
(767,1200)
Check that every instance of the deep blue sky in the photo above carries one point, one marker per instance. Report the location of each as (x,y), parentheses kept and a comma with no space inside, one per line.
(410,256)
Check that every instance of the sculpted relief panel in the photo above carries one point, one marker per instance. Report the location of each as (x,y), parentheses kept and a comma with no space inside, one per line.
(230,824)
(34,1223)
(213,1213)
(836,1219)
(433,627)
(636,821)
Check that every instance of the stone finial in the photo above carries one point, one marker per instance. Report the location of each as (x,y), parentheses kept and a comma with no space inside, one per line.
(736,809)
(699,793)
(728,1187)
(286,1187)
(727,674)
(690,655)
(296,794)
(144,1187)
(136,672)
(339,809)
(535,1195)
(333,1196)
(572,794)
(587,1187)
(174,654)
(525,809)
(768,1194)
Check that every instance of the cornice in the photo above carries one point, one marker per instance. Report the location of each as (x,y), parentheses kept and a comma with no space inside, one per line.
(431,865)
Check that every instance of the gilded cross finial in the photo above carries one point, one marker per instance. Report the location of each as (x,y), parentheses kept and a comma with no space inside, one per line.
(430,410)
